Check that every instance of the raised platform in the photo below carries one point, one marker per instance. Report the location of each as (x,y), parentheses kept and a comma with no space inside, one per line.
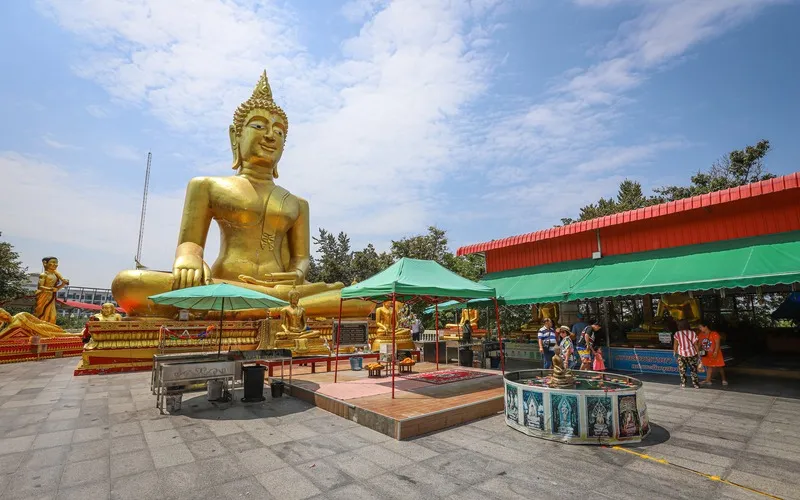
(16,350)
(419,406)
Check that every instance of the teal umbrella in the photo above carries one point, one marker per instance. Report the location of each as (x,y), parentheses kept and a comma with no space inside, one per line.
(219,297)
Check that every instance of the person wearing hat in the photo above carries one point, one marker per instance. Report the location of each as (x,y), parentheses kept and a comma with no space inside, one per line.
(566,344)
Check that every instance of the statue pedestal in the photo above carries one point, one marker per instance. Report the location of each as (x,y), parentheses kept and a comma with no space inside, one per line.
(403,343)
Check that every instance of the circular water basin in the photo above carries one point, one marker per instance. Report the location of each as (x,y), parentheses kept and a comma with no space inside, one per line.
(602,408)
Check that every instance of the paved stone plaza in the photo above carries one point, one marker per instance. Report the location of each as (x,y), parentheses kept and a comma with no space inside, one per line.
(101,437)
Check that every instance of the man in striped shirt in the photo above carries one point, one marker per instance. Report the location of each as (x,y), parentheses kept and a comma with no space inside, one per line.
(548,340)
(685,348)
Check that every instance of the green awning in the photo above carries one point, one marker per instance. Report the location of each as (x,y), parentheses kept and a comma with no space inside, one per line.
(740,263)
(539,284)
(455,304)
(409,279)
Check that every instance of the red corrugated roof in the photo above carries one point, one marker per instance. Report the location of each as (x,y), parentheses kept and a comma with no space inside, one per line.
(787,182)
(85,305)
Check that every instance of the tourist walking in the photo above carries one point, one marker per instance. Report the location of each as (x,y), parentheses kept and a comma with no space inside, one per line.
(711,354)
(416,328)
(586,344)
(547,342)
(685,348)
(579,326)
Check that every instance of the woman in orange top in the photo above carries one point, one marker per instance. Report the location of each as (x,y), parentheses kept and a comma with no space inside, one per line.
(712,358)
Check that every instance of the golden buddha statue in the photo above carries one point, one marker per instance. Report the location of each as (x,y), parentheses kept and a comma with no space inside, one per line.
(28,325)
(383,319)
(538,315)
(295,333)
(50,282)
(470,315)
(562,376)
(676,305)
(108,313)
(265,230)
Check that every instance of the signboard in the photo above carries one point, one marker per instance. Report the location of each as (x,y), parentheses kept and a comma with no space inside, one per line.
(352,332)
(643,360)
(665,337)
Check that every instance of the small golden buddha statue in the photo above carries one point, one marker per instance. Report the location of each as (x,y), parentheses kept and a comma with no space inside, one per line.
(562,376)
(50,282)
(28,325)
(470,315)
(265,229)
(108,313)
(538,315)
(678,306)
(293,320)
(383,319)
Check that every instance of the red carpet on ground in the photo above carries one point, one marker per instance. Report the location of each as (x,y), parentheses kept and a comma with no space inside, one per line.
(447,376)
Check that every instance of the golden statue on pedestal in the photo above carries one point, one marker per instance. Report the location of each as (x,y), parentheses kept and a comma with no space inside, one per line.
(295,333)
(383,318)
(29,325)
(108,313)
(543,311)
(562,376)
(264,228)
(50,282)
(678,306)
(470,315)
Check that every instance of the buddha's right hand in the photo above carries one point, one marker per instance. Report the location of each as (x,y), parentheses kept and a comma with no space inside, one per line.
(189,271)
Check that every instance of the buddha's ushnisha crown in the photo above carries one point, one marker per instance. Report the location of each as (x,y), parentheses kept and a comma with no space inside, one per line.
(261,99)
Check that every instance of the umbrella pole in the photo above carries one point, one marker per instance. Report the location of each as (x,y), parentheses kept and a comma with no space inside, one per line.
(221,315)
(499,337)
(437,336)
(338,341)
(394,327)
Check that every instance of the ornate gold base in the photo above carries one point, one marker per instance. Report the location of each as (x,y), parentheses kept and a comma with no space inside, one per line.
(403,343)
(304,347)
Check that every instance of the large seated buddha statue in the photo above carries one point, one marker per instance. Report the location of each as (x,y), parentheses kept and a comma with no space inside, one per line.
(264,229)
(383,319)
(677,306)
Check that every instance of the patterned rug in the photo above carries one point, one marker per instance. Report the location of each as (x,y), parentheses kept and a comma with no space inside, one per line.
(447,376)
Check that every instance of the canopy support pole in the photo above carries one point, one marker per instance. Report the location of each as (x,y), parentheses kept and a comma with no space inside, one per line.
(394,327)
(221,317)
(607,332)
(437,336)
(338,341)
(499,336)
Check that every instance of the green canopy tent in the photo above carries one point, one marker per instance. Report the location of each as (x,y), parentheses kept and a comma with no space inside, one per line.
(410,280)
(218,297)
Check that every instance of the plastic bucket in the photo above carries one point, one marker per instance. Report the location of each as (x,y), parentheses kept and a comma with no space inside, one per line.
(356,363)
(276,386)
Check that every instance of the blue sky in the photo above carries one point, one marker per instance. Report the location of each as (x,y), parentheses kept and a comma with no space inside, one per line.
(488,118)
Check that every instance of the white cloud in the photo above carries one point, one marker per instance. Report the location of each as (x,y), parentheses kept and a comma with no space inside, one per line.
(96,111)
(58,145)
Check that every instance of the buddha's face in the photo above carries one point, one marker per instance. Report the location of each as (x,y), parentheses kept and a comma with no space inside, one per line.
(261,139)
(294,298)
(107,309)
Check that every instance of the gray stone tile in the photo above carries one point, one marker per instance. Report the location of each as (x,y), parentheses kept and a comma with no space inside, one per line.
(64,414)
(287,484)
(46,457)
(15,444)
(125,429)
(240,441)
(356,465)
(89,450)
(206,448)
(324,475)
(137,487)
(11,462)
(134,462)
(258,460)
(161,424)
(18,431)
(60,425)
(167,437)
(467,467)
(33,482)
(89,434)
(384,457)
(99,490)
(352,492)
(84,472)
(50,439)
(247,487)
(297,452)
(127,443)
(195,432)
(168,456)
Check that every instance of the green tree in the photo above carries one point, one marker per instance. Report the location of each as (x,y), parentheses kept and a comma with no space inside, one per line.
(629,197)
(739,167)
(335,260)
(369,262)
(433,246)
(13,275)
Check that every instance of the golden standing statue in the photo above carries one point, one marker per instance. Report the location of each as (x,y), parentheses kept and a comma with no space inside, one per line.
(264,228)
(108,313)
(29,325)
(383,319)
(678,305)
(50,282)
